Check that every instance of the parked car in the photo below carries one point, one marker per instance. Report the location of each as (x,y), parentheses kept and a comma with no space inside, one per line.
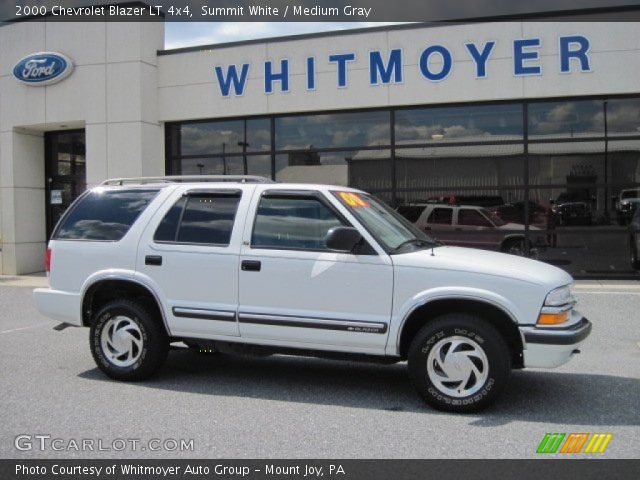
(634,240)
(239,264)
(477,227)
(574,208)
(626,205)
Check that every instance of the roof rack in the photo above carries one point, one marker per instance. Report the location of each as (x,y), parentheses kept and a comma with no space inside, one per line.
(188,178)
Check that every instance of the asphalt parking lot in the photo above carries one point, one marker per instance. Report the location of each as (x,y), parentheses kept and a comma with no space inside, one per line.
(287,407)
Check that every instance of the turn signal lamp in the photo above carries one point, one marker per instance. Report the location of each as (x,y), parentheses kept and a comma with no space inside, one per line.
(553,318)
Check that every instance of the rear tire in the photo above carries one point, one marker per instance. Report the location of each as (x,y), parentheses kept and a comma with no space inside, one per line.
(459,363)
(126,342)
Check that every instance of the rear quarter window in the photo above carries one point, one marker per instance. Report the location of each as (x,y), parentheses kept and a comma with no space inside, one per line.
(105,215)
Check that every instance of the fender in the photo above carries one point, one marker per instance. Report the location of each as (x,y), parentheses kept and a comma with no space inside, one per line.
(399,319)
(129,276)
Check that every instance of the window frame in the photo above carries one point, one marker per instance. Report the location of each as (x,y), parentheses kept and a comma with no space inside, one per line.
(292,194)
(209,192)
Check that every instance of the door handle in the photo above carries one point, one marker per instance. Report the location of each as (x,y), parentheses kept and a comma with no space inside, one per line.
(250,265)
(153,260)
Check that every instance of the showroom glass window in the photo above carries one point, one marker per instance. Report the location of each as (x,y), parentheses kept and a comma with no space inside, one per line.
(548,169)
(220,147)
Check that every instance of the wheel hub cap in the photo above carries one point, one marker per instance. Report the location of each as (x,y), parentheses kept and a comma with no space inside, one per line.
(457,366)
(121,341)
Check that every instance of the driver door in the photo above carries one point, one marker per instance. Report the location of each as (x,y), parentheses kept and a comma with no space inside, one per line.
(296,292)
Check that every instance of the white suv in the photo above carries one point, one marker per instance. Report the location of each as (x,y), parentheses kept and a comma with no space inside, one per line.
(244,264)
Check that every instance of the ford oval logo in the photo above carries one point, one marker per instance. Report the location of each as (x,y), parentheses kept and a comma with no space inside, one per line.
(43,68)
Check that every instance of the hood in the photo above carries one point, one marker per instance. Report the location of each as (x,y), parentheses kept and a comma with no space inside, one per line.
(484,262)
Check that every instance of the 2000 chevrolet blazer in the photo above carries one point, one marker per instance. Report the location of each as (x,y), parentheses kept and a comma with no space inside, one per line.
(239,263)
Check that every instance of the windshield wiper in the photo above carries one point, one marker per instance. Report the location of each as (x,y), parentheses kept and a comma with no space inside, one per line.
(412,241)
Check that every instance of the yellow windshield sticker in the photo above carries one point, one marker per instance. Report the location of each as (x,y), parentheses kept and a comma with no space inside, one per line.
(353,200)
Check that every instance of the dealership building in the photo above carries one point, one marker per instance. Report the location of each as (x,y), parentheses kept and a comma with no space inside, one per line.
(509,118)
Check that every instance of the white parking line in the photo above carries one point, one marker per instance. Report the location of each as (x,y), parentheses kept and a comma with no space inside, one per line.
(23,328)
(606,293)
(611,286)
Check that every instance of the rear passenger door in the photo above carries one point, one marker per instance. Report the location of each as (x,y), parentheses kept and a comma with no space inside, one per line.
(190,252)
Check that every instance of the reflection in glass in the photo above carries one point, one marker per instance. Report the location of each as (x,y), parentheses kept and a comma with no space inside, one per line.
(258,135)
(426,172)
(624,161)
(207,138)
(104,215)
(208,219)
(292,223)
(225,165)
(597,248)
(572,205)
(566,119)
(368,170)
(623,116)
(566,163)
(340,130)
(459,124)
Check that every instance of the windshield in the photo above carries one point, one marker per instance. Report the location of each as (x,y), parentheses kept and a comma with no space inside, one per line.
(495,219)
(388,227)
(630,193)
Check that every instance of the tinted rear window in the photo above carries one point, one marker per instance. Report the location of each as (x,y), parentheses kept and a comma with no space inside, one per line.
(104,215)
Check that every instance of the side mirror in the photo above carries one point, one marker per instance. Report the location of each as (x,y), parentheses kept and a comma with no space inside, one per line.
(342,239)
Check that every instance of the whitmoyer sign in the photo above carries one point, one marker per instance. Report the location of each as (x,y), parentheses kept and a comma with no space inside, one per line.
(436,63)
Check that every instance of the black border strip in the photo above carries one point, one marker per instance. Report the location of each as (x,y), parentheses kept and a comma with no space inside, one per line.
(204,314)
(514,17)
(355,326)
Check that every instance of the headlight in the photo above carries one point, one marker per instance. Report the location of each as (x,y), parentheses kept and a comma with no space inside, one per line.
(557,306)
(560,296)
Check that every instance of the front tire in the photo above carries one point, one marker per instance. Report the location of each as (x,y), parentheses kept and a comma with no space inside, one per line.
(126,342)
(459,363)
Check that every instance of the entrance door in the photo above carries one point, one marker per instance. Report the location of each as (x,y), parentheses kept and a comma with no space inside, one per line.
(65,172)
